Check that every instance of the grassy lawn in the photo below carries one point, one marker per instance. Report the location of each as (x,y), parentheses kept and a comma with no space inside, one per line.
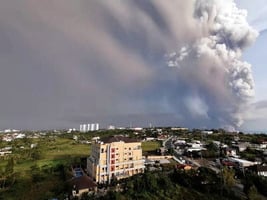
(150,146)
(52,152)
(58,151)
(64,148)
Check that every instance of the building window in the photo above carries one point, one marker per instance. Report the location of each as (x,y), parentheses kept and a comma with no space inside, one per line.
(112,162)
(112,156)
(102,150)
(112,150)
(130,158)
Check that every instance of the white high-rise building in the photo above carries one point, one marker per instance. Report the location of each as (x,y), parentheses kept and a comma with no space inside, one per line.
(92,127)
(89,127)
(96,126)
(84,128)
(115,157)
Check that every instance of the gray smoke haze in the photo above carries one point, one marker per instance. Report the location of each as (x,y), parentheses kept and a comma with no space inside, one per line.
(69,62)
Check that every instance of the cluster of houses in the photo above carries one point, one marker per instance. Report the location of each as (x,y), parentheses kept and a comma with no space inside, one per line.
(231,154)
(5,151)
(8,137)
(120,156)
(16,134)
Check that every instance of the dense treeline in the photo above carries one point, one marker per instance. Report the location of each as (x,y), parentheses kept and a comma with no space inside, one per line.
(40,183)
(177,184)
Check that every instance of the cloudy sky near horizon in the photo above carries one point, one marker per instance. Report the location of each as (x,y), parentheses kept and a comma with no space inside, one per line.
(67,62)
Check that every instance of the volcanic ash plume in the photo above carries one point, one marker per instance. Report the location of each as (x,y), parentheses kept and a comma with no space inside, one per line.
(213,60)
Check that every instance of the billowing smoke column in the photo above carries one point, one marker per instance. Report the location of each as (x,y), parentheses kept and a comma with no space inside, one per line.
(223,83)
(110,65)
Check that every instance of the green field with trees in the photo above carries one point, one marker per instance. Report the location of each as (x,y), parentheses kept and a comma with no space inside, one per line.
(39,167)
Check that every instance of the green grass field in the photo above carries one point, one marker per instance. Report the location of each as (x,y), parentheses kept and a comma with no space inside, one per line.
(57,151)
(52,152)
(150,146)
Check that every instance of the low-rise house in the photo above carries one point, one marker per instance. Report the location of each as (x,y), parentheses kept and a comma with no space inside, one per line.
(241,162)
(6,148)
(179,129)
(7,138)
(260,170)
(96,138)
(259,146)
(33,146)
(162,137)
(241,146)
(19,135)
(179,142)
(150,139)
(195,146)
(82,184)
(2,153)
(228,163)
(219,144)
(184,167)
(207,132)
(75,137)
(230,152)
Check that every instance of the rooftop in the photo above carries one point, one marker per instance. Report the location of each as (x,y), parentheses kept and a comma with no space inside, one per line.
(83,182)
(118,138)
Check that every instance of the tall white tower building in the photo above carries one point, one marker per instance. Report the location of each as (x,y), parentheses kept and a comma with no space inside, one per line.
(92,127)
(96,126)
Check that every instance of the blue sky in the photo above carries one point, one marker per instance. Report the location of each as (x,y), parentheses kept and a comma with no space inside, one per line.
(257,56)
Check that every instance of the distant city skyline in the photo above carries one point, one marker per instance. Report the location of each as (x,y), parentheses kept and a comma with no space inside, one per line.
(181,63)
